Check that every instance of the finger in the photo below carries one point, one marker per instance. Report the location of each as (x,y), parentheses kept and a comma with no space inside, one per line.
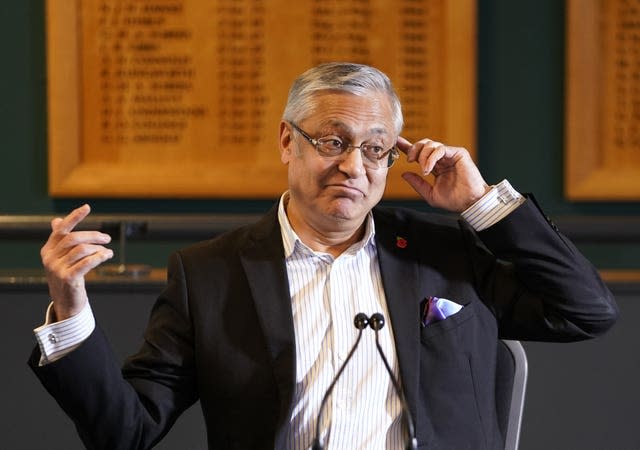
(58,246)
(55,223)
(419,184)
(421,150)
(91,258)
(79,262)
(415,151)
(61,255)
(83,237)
(428,160)
(403,144)
(81,249)
(62,226)
(68,223)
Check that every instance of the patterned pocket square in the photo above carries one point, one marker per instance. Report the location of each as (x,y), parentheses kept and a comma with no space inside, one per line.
(436,309)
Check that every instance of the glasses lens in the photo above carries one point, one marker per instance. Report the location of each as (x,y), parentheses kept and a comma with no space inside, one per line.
(372,156)
(376,159)
(331,147)
(394,154)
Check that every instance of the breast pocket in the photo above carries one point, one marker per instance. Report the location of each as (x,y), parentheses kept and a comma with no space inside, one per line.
(453,364)
(449,324)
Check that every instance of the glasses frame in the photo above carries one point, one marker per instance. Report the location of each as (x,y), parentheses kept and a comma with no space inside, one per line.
(392,154)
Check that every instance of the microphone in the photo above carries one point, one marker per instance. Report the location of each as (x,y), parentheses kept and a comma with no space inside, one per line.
(376,321)
(360,321)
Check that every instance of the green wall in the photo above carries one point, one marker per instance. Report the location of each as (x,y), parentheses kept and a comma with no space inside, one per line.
(520,124)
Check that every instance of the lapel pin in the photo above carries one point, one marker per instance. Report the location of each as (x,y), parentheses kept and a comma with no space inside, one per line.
(401,242)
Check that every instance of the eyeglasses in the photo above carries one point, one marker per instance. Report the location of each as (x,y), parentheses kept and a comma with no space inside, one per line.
(374,156)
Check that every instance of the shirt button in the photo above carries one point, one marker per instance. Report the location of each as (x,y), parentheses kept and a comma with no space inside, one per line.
(53,338)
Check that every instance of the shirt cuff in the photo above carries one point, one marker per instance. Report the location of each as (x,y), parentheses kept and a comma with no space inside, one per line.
(494,206)
(58,339)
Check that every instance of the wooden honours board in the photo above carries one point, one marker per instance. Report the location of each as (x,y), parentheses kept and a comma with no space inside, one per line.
(603,100)
(183,98)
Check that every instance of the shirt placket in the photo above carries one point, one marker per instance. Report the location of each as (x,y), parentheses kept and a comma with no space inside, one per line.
(341,305)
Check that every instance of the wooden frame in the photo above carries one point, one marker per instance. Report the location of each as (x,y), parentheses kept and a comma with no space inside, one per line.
(596,167)
(79,168)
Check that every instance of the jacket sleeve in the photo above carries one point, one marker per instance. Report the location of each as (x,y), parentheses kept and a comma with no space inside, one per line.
(538,284)
(132,408)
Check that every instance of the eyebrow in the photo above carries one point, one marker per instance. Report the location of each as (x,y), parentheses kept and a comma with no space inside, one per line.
(348,130)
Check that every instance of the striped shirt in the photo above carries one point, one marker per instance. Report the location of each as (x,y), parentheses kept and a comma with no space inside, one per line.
(363,411)
(494,206)
(60,338)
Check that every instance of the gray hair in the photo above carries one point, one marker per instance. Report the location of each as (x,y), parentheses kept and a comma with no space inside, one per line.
(356,79)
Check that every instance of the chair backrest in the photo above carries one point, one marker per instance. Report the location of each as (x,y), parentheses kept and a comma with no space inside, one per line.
(511,382)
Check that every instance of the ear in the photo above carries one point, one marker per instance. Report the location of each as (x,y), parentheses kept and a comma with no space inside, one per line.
(286,142)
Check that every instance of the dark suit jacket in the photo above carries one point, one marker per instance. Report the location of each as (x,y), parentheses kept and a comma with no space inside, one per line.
(222,332)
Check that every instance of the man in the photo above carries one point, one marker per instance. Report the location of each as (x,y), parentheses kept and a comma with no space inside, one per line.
(256,323)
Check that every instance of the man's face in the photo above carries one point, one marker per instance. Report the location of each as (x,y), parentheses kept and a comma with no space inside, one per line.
(336,193)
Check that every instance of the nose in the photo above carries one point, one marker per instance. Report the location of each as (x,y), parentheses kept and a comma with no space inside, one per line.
(351,162)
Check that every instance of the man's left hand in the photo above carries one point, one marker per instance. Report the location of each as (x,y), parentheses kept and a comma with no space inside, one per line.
(457,182)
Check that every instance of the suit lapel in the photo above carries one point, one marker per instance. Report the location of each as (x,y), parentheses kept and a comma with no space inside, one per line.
(263,262)
(397,256)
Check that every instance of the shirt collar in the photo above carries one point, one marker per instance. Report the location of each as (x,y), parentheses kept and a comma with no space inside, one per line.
(292,242)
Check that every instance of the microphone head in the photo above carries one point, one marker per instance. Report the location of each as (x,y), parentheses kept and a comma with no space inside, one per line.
(361,321)
(376,321)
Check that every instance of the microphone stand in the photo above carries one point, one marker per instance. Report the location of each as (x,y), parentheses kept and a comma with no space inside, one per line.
(376,321)
(360,321)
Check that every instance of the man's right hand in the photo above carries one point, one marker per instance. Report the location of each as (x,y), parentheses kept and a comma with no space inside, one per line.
(67,257)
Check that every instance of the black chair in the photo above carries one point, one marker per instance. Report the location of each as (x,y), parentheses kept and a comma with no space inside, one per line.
(511,382)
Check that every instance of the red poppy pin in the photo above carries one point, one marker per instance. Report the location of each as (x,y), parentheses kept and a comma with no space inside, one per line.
(401,242)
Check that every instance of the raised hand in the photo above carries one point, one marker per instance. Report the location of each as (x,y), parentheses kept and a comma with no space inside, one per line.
(457,182)
(67,257)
